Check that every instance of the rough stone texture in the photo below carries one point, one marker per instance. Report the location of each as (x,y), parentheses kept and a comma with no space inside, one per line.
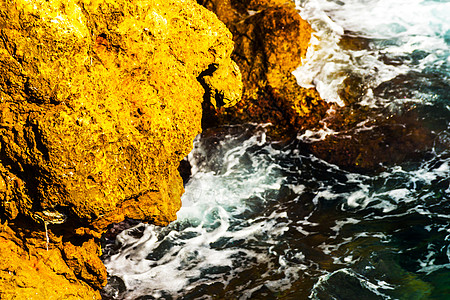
(26,273)
(99,101)
(270,41)
(215,80)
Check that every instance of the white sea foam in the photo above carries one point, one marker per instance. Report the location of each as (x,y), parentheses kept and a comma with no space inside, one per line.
(211,214)
(324,58)
(396,29)
(315,135)
(230,223)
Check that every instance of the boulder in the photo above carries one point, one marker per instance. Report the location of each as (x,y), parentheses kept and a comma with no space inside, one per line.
(270,41)
(99,102)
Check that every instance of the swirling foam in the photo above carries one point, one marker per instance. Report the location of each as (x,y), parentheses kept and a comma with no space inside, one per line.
(404,37)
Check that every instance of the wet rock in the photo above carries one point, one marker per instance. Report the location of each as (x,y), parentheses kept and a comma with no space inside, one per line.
(115,287)
(270,41)
(99,102)
(369,139)
(369,142)
(352,41)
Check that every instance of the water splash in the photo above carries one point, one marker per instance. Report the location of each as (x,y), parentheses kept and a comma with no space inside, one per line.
(272,220)
(402,38)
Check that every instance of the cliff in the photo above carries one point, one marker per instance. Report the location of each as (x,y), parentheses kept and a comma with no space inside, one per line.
(99,101)
(270,41)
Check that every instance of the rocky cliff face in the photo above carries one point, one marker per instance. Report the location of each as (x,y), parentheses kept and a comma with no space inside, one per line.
(270,40)
(99,101)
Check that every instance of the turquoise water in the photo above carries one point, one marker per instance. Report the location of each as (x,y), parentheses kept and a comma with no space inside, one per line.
(264,220)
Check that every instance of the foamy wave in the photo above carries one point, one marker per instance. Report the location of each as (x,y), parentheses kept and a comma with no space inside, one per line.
(283,215)
(405,37)
(222,227)
(324,60)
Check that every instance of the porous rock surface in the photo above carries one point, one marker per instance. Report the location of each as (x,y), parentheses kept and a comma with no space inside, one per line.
(99,101)
(270,41)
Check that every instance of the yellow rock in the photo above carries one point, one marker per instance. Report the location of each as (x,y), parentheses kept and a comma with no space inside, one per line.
(36,274)
(99,101)
(220,91)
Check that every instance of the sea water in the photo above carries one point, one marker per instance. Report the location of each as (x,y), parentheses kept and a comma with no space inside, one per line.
(266,220)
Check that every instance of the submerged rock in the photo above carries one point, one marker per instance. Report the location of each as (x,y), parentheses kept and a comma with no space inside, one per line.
(369,139)
(270,40)
(369,142)
(99,102)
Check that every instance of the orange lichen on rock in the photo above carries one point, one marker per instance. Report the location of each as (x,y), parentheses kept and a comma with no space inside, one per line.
(270,41)
(99,101)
